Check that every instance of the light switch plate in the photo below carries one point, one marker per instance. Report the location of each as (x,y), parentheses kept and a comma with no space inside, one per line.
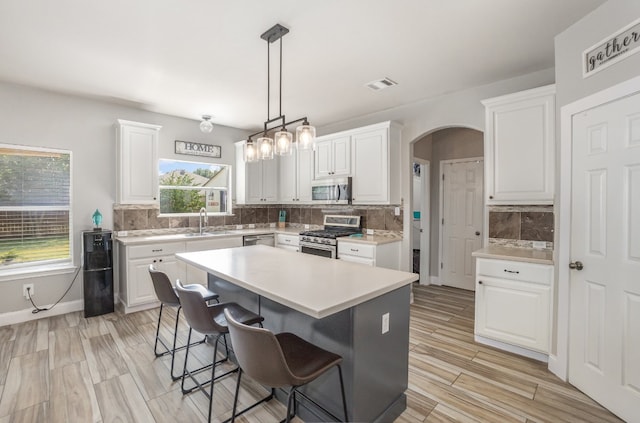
(397,211)
(306,226)
(369,231)
(252,226)
(272,225)
(238,226)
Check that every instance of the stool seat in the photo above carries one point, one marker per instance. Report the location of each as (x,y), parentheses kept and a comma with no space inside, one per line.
(168,296)
(305,360)
(281,360)
(206,293)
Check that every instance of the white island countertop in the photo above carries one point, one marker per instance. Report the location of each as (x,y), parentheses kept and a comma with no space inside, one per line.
(312,285)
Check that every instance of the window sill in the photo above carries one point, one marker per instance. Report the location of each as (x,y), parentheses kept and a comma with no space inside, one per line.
(36,272)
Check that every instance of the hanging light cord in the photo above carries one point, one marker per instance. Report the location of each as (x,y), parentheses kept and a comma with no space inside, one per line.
(37,309)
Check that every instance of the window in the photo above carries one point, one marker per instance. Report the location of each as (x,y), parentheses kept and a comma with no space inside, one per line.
(186,187)
(35,206)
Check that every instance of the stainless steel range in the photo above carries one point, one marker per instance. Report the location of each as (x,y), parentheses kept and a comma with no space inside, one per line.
(323,242)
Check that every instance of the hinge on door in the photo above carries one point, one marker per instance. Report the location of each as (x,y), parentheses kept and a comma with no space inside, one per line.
(443,176)
(443,220)
(441,265)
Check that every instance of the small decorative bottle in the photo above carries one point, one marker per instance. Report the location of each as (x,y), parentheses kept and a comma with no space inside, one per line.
(97,220)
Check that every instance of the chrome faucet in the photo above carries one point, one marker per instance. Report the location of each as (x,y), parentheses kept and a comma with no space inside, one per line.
(203,218)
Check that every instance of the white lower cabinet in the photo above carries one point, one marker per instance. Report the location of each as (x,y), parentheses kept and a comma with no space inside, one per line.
(136,290)
(135,287)
(195,275)
(288,242)
(380,255)
(513,303)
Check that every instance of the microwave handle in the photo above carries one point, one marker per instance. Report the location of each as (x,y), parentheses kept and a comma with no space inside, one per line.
(336,194)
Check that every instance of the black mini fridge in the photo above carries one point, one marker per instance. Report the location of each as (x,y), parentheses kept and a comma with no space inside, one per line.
(97,273)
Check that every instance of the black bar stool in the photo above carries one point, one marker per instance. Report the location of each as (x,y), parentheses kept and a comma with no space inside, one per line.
(209,320)
(281,360)
(166,293)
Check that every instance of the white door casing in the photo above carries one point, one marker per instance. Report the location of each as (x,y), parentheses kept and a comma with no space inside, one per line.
(425,229)
(462,220)
(604,320)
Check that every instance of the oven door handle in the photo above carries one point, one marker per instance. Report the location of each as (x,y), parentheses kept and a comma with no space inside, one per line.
(318,246)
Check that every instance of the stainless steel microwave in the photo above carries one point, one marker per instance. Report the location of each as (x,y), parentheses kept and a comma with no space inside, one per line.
(331,191)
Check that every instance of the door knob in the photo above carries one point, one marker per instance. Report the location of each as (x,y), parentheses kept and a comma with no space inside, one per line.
(477,233)
(576,265)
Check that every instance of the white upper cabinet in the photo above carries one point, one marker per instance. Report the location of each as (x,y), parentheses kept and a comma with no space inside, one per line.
(257,182)
(375,165)
(137,162)
(296,174)
(332,156)
(519,147)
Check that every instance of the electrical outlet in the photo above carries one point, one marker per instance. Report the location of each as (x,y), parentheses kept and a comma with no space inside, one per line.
(385,323)
(397,211)
(369,231)
(238,226)
(539,245)
(24,290)
(272,225)
(252,226)
(306,226)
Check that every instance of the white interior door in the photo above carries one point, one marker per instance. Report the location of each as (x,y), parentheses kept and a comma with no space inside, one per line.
(604,331)
(461,221)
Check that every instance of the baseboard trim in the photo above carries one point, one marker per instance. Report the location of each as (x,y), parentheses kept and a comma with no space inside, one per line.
(435,280)
(512,348)
(556,368)
(26,315)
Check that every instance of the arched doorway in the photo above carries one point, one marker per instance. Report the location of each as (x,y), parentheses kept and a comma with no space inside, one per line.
(439,148)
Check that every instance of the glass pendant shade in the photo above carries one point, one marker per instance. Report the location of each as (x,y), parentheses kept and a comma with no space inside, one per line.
(305,136)
(265,148)
(250,152)
(206,126)
(283,143)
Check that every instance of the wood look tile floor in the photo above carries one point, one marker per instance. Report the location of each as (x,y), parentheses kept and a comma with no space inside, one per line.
(102,369)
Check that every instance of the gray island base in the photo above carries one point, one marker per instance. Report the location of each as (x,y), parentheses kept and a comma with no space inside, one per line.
(375,365)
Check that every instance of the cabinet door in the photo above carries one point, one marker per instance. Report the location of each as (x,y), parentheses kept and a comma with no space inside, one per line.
(139,285)
(514,312)
(304,175)
(270,181)
(323,159)
(137,169)
(342,156)
(370,167)
(253,185)
(288,179)
(519,148)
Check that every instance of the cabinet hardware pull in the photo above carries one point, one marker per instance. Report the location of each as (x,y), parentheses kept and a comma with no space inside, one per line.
(511,271)
(155,261)
(355,250)
(479,282)
(477,233)
(160,260)
(491,197)
(156,251)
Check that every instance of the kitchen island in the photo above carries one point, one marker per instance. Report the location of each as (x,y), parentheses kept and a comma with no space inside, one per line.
(354,310)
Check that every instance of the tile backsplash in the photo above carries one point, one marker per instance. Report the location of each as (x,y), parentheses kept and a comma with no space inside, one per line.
(145,217)
(519,226)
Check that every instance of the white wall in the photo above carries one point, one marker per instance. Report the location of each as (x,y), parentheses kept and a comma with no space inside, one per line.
(570,87)
(86,127)
(462,108)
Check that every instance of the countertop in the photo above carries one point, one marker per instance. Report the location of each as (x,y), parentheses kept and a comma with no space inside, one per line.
(307,283)
(154,236)
(527,255)
(375,239)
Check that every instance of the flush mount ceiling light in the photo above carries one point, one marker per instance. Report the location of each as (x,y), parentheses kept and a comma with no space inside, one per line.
(206,126)
(282,142)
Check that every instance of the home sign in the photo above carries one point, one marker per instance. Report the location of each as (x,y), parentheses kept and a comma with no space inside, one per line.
(198,149)
(612,49)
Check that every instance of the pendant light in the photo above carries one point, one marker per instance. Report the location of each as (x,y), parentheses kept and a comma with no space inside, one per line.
(206,126)
(283,142)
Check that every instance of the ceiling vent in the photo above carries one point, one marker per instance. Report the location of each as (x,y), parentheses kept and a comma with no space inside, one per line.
(380,84)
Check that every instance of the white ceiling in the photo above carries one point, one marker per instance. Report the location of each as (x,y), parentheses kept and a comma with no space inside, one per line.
(194,57)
